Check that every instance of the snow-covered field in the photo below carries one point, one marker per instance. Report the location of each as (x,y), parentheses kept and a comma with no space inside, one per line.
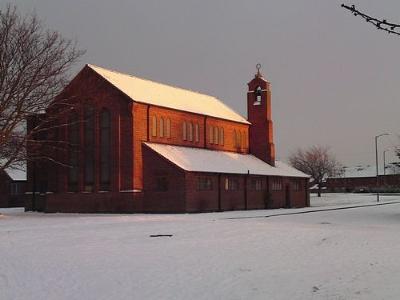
(349,253)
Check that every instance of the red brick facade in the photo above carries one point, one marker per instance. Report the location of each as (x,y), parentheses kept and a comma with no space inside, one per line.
(133,170)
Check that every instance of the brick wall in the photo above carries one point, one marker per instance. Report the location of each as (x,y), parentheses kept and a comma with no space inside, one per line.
(157,200)
(201,200)
(104,202)
(89,90)
(233,199)
(204,122)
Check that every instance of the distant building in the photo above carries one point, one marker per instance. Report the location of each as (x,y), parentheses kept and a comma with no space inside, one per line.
(134,145)
(363,179)
(12,188)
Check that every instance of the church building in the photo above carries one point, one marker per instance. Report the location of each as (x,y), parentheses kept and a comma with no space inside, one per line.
(125,144)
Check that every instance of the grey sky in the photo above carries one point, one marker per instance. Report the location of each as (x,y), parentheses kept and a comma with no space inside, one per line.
(335,79)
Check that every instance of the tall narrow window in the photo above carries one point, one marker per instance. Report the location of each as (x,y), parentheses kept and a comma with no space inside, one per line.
(105,150)
(277,184)
(190,131)
(184,131)
(216,136)
(231,184)
(89,118)
(161,127)
(211,135)
(204,184)
(239,139)
(256,184)
(168,128)
(154,126)
(221,135)
(258,94)
(196,133)
(73,153)
(226,184)
(235,138)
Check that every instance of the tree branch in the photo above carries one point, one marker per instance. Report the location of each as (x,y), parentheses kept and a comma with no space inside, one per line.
(380,24)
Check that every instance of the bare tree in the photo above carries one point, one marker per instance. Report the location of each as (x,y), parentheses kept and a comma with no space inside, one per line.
(316,161)
(381,24)
(34,64)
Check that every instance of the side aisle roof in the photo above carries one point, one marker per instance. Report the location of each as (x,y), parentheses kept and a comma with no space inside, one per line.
(212,161)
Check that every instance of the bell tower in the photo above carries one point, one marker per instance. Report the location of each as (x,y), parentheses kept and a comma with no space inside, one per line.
(261,140)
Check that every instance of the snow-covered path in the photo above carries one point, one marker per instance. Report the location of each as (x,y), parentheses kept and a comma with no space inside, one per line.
(343,254)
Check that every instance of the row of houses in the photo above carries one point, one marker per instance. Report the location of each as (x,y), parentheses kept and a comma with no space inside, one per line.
(363,178)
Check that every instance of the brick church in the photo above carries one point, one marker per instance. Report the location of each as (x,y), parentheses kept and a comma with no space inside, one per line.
(134,145)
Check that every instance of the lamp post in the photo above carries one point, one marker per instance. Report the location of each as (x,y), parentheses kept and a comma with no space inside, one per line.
(377,164)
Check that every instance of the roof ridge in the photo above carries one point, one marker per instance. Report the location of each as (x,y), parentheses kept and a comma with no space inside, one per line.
(145,79)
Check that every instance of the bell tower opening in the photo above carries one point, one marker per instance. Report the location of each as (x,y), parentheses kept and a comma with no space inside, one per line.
(258,96)
(259,115)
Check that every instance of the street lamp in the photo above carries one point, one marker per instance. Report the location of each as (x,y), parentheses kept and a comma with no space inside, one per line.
(377,166)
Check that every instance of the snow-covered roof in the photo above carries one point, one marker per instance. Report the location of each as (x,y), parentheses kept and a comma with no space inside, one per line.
(15,174)
(149,92)
(203,160)
(363,171)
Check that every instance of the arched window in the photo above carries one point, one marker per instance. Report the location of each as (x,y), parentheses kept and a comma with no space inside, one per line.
(196,133)
(211,135)
(221,135)
(73,153)
(154,126)
(105,150)
(89,123)
(190,131)
(161,127)
(258,95)
(168,128)
(239,139)
(184,132)
(216,137)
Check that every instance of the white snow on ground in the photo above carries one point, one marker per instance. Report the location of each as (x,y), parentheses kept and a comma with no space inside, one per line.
(331,199)
(334,254)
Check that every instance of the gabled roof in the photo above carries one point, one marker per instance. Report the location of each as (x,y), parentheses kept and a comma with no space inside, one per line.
(212,161)
(16,174)
(149,92)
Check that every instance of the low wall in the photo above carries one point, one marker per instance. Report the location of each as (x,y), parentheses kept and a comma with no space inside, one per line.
(107,202)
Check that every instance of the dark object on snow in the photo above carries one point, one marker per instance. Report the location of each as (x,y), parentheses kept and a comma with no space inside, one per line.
(160,235)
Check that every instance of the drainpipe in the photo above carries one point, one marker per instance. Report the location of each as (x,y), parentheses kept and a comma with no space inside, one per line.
(148,123)
(205,132)
(219,192)
(245,190)
(34,187)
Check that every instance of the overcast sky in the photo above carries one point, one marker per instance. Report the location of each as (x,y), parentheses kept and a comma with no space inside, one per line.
(335,79)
